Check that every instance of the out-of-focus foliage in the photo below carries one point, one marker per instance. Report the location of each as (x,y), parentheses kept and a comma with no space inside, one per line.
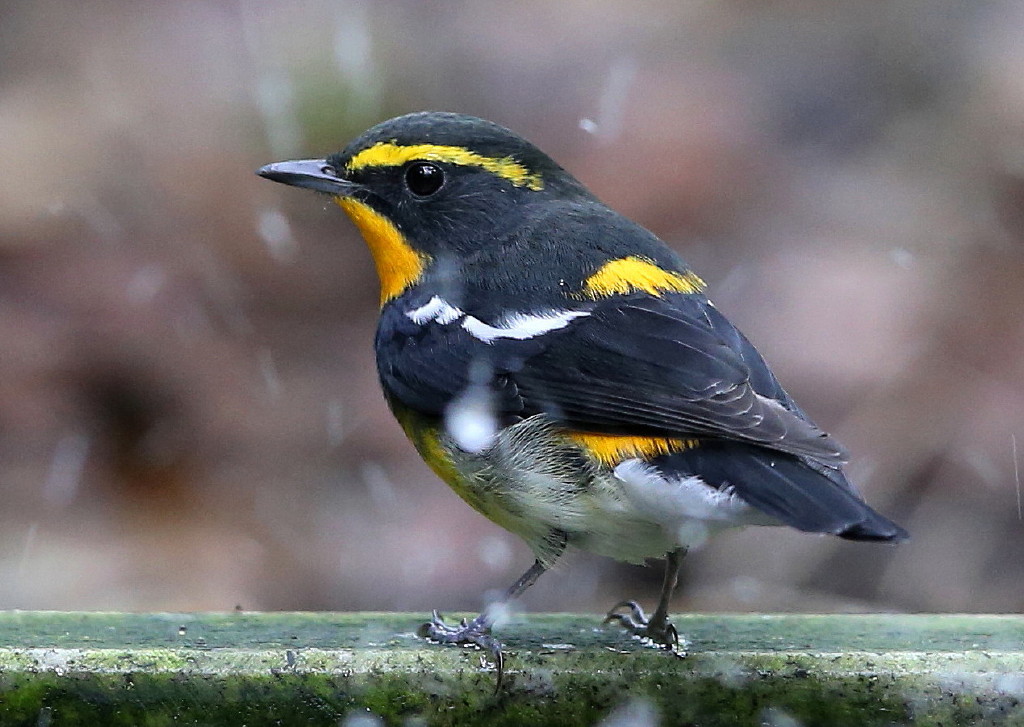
(189,413)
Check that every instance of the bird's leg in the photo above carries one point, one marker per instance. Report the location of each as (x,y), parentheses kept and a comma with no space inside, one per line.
(478,631)
(657,628)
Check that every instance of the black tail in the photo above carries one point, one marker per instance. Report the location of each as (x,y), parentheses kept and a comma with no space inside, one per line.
(785,487)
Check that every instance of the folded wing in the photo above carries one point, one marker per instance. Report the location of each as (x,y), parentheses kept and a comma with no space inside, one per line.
(667,366)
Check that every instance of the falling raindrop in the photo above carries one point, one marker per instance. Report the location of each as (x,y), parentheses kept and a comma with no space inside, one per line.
(1011,683)
(275,99)
(353,57)
(746,589)
(606,125)
(269,372)
(382,490)
(361,719)
(353,44)
(499,612)
(692,533)
(1016,473)
(65,475)
(495,552)
(145,284)
(274,92)
(471,419)
(26,548)
(276,232)
(775,717)
(902,257)
(633,713)
(335,423)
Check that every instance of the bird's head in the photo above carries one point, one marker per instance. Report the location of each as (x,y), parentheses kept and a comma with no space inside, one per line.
(431,185)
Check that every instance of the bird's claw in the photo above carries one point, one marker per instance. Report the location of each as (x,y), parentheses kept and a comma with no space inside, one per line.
(661,632)
(468,633)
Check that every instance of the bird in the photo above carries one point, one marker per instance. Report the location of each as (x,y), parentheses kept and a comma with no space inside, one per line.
(564,370)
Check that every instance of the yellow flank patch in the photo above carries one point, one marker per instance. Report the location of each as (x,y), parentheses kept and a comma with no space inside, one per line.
(610,449)
(390,154)
(398,265)
(437,459)
(635,274)
(427,440)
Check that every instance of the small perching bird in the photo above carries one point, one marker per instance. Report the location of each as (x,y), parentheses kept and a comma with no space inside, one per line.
(562,369)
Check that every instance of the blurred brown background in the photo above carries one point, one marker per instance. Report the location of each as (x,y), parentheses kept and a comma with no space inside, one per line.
(189,412)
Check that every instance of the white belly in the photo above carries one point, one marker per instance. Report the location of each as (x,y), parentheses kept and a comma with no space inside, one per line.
(538,484)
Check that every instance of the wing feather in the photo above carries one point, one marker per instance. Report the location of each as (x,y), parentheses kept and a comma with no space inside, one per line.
(641,364)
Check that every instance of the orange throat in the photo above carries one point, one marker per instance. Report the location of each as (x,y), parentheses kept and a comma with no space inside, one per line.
(398,265)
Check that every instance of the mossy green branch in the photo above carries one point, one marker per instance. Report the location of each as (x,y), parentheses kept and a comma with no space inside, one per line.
(562,669)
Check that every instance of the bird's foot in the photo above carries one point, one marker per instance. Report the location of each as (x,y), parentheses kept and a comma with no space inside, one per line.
(658,630)
(468,633)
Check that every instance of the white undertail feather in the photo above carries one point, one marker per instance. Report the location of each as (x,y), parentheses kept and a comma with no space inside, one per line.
(686,507)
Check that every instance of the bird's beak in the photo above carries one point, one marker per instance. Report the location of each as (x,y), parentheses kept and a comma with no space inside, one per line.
(314,174)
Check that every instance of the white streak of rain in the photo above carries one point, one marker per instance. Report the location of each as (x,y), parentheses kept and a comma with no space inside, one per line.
(362,719)
(382,490)
(1011,683)
(276,233)
(775,717)
(222,289)
(1016,471)
(66,467)
(746,589)
(607,123)
(633,713)
(26,548)
(145,284)
(353,56)
(988,471)
(470,419)
(268,370)
(275,99)
(274,91)
(495,552)
(335,416)
(499,612)
(902,257)
(352,43)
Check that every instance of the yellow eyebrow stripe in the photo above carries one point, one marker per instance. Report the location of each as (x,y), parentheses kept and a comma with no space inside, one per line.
(391,154)
(611,449)
(635,274)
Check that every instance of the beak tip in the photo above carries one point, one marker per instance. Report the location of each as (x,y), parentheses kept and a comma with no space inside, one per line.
(271,171)
(312,174)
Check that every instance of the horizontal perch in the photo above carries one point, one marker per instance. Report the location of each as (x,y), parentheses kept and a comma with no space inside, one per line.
(61,668)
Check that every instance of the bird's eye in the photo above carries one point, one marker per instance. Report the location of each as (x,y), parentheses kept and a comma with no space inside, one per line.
(423,178)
